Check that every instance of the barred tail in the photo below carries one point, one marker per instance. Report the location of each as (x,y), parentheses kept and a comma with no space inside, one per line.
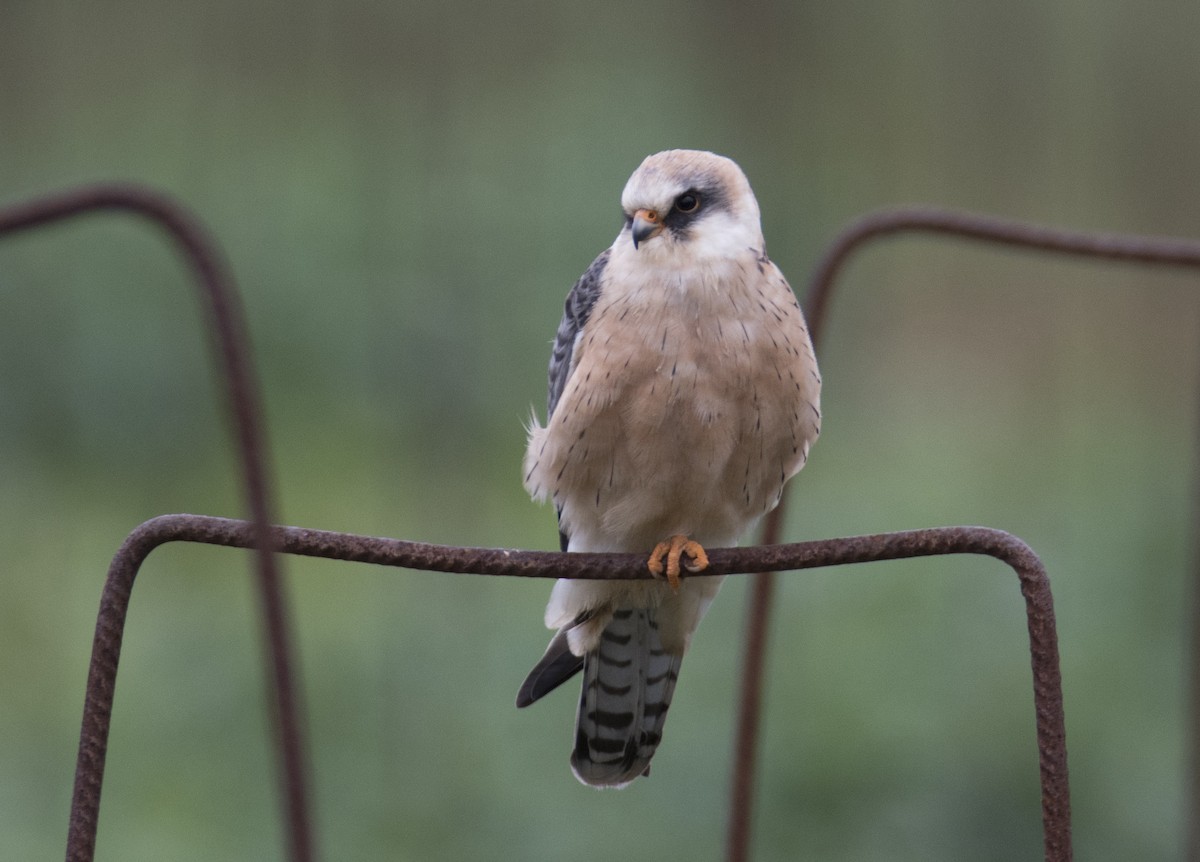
(627,686)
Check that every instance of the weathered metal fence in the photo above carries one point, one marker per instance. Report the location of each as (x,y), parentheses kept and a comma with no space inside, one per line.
(231,344)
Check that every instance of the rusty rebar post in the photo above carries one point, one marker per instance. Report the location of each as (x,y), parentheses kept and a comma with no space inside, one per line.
(1129,248)
(1162,251)
(230,340)
(749,708)
(1035,587)
(1191,836)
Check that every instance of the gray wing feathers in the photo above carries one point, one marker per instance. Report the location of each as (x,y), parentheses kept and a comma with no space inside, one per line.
(557,666)
(627,687)
(576,311)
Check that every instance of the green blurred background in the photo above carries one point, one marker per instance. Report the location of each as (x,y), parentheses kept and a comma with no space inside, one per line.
(405,192)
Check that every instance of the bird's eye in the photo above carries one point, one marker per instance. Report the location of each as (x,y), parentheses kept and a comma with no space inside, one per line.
(688,202)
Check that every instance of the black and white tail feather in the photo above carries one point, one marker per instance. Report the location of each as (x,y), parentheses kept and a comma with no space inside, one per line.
(628,681)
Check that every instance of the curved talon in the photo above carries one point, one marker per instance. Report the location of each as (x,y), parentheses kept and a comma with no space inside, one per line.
(673,549)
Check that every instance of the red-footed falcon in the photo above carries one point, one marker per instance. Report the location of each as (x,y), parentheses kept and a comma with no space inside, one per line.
(683,395)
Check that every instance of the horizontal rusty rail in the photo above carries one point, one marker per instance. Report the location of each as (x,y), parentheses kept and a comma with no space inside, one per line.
(114,604)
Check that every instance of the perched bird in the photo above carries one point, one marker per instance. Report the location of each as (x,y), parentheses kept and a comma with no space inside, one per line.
(683,395)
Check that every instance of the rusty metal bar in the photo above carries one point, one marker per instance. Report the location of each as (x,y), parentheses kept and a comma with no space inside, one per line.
(231,343)
(749,709)
(1191,819)
(1034,584)
(1130,248)
(1164,251)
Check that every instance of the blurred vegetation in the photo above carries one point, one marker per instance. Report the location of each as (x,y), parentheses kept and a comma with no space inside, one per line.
(406,191)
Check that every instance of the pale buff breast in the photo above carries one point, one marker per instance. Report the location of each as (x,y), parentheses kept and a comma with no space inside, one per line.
(690,405)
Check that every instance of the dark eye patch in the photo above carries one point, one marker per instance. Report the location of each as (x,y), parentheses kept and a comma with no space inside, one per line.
(690,206)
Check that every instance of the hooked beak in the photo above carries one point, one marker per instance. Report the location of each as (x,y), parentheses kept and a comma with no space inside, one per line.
(647,224)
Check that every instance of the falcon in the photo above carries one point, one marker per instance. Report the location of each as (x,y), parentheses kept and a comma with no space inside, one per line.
(684,394)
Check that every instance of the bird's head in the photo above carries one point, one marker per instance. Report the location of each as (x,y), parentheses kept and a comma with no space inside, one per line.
(689,202)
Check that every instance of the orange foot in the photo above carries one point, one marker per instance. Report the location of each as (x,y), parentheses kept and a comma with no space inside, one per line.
(673,549)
